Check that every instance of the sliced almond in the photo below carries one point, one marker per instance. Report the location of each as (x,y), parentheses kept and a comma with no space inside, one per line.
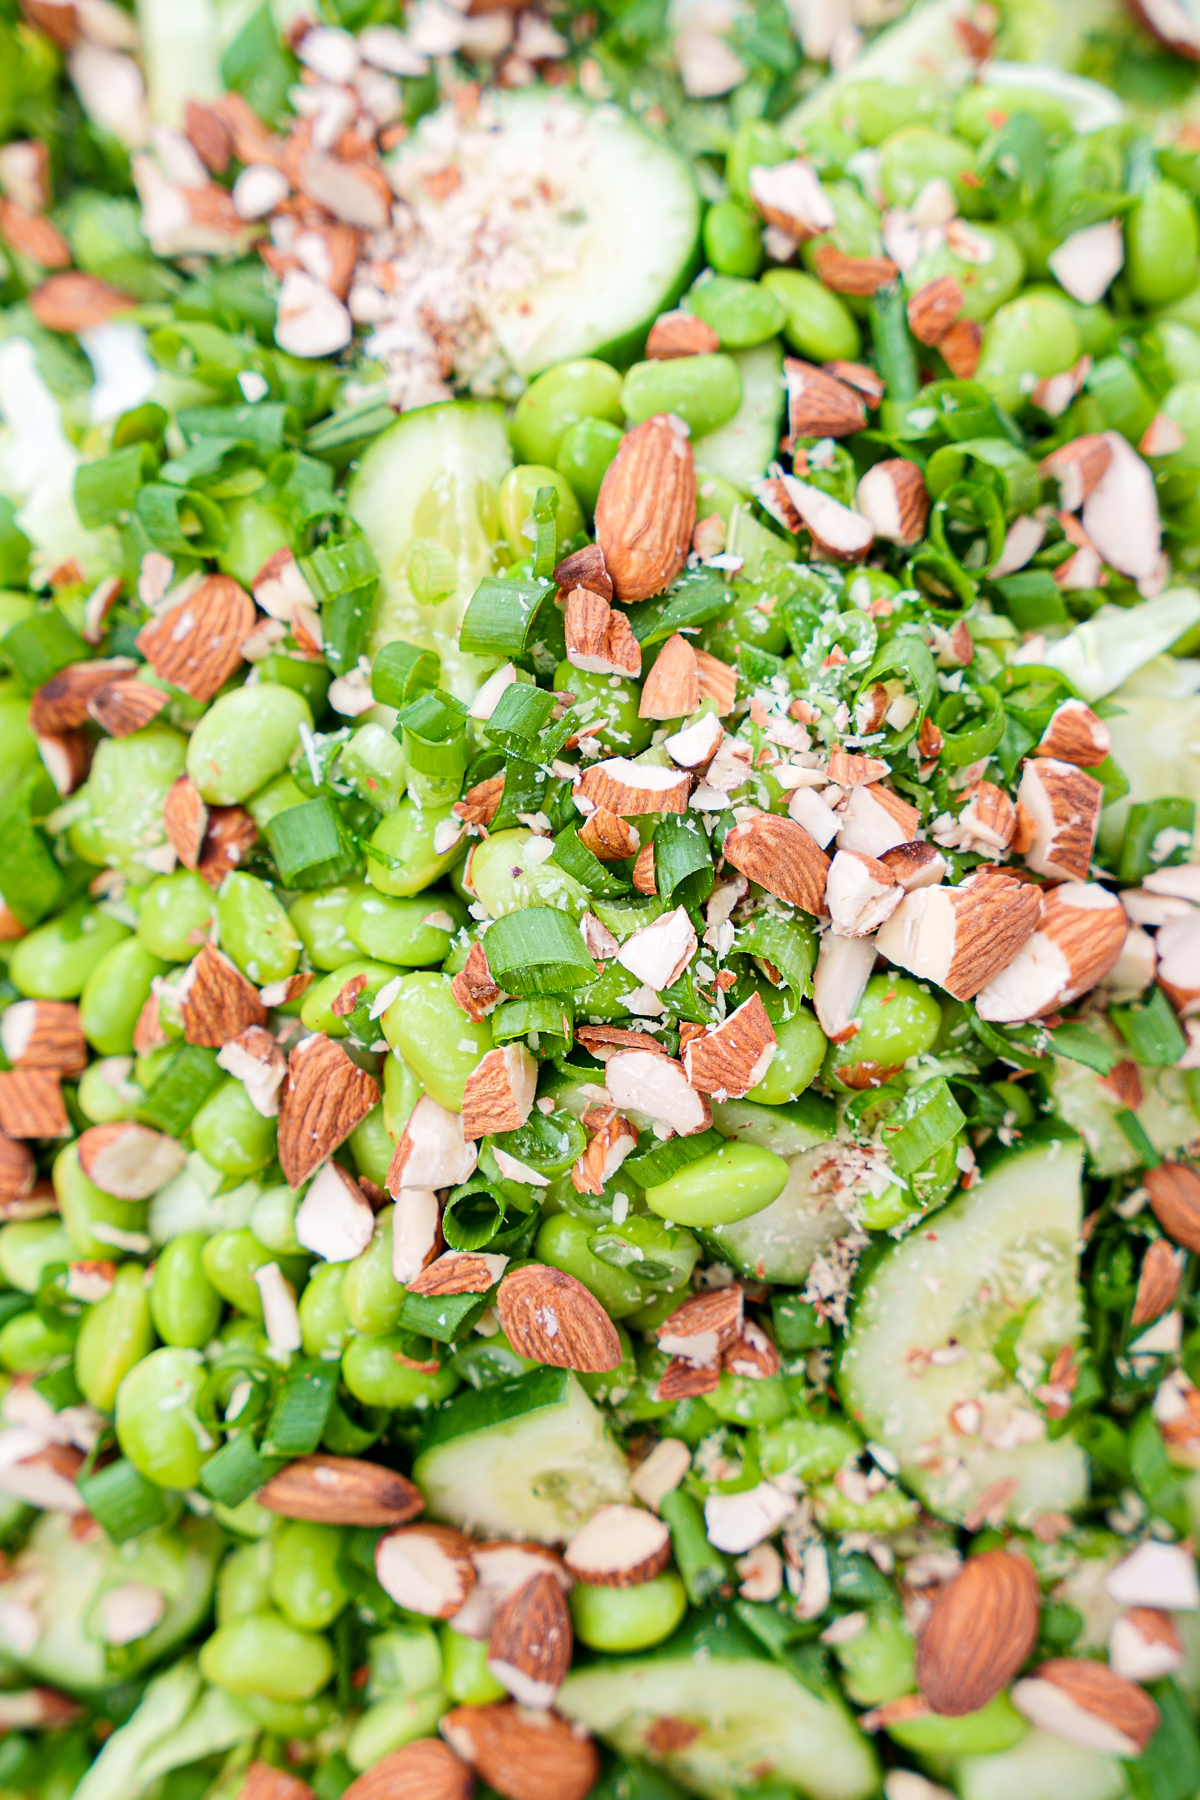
(44,1034)
(584,569)
(818,404)
(861,275)
(718,682)
(604,1041)
(672,688)
(983,1626)
(335,1219)
(1145,1645)
(216,1002)
(499,1092)
(1075,735)
(608,837)
(1062,805)
(255,1059)
(933,309)
(1121,515)
(630,788)
(789,196)
(680,334)
(62,702)
(25,173)
(781,856)
(876,820)
(732,1057)
(1088,1704)
(129,1160)
(860,894)
(656,1087)
(523,1754)
(75,302)
(231,833)
(341,1490)
(551,1318)
(31,1105)
(891,497)
(1079,937)
(529,1646)
(197,644)
(1158,1283)
(960,347)
(1174,1192)
(67,756)
(1078,467)
(426,1569)
(661,1472)
(915,865)
(961,937)
(324,1098)
(647,507)
(431,1152)
(607,1149)
(473,988)
(1178,951)
(459,1272)
(704,1325)
(619,1546)
(848,771)
(357,192)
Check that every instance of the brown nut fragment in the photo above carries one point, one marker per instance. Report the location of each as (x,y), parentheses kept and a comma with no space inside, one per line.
(524,1755)
(680,334)
(1089,1704)
(1174,1192)
(425,1769)
(551,1318)
(983,1626)
(529,1645)
(647,507)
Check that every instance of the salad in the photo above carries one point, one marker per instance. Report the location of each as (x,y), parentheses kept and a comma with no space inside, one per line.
(599,905)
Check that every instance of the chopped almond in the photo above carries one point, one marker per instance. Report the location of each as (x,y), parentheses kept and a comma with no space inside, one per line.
(860,893)
(753,1357)
(480,804)
(325,1097)
(603,1041)
(584,568)
(124,707)
(129,1160)
(961,937)
(672,688)
(643,871)
(334,1219)
(473,988)
(818,404)
(608,837)
(74,302)
(1076,735)
(630,788)
(67,756)
(431,1152)
(731,1058)
(858,376)
(44,1034)
(933,309)
(863,275)
(599,639)
(782,857)
(197,644)
(989,817)
(499,1092)
(892,497)
(680,334)
(1078,467)
(656,1086)
(613,1139)
(852,771)
(1063,807)
(960,347)
(876,820)
(31,1105)
(62,702)
(216,1001)
(255,1059)
(552,1318)
(789,196)
(682,1380)
(915,865)
(718,682)
(1079,937)
(459,1272)
(231,833)
(657,954)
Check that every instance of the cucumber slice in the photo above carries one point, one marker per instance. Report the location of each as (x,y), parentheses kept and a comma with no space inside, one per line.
(1081,1100)
(1042,1767)
(434,474)
(740,450)
(614,247)
(527,1459)
(779,1243)
(754,1723)
(1155,738)
(1006,1248)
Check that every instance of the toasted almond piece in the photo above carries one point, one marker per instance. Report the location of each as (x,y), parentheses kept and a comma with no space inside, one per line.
(1088,1704)
(197,644)
(680,334)
(989,817)
(696,744)
(124,707)
(480,804)
(129,1160)
(17,1171)
(1158,1283)
(661,1472)
(607,1149)
(281,1316)
(1124,1083)
(982,1627)
(67,756)
(280,587)
(1156,1574)
(1145,1645)
(753,1356)
(630,788)
(682,1380)
(25,173)
(424,1769)
(647,507)
(853,274)
(718,682)
(523,1754)
(789,195)
(552,1318)
(704,1326)
(608,837)
(853,771)
(426,1568)
(503,1569)
(31,1105)
(781,856)
(1177,947)
(265,1782)
(431,1152)
(252,141)
(960,347)
(891,496)
(738,1522)
(216,1002)
(62,702)
(619,1546)
(473,988)
(961,937)
(839,981)
(1162,436)
(1079,937)
(599,639)
(459,1272)
(74,302)
(292,987)
(672,688)
(499,1092)
(732,1057)
(658,954)
(876,820)
(915,865)
(860,894)
(44,1034)
(656,1086)
(46,1478)
(1078,467)
(818,404)
(334,1219)
(933,309)
(231,833)
(710,536)
(1121,516)
(529,1646)
(324,1098)
(1174,1192)
(1063,806)
(1075,735)
(584,569)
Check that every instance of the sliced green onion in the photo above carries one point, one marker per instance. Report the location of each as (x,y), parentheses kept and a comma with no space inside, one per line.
(262,425)
(523,792)
(59,1388)
(31,877)
(501,615)
(339,566)
(693,601)
(106,489)
(122,1501)
(1144,823)
(655,1166)
(683,863)
(547,1142)
(432,571)
(759,668)
(935,1119)
(472,1216)
(38,647)
(302,1408)
(14,547)
(352,1428)
(309,844)
(141,425)
(444,1317)
(304,489)
(1151,1030)
(703,1569)
(1078,1044)
(475,1409)
(977,740)
(895,353)
(537,951)
(1112,779)
(13,1302)
(401,673)
(519,715)
(181,1090)
(345,434)
(781,1635)
(1032,599)
(237,1470)
(179,520)
(248,1380)
(433,732)
(1134,1133)
(548,1016)
(598,878)
(790,945)
(941,577)
(545,543)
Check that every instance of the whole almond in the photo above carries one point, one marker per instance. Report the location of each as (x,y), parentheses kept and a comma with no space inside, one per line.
(529,1645)
(426,1769)
(647,508)
(324,1097)
(1174,1192)
(341,1490)
(523,1755)
(552,1318)
(982,1628)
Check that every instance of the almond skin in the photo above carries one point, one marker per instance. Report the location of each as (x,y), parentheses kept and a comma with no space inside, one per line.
(1107,1696)
(1158,1284)
(265,1782)
(780,855)
(197,644)
(647,507)
(426,1769)
(523,1755)
(529,1646)
(982,1628)
(324,1097)
(552,1318)
(1174,1192)
(341,1490)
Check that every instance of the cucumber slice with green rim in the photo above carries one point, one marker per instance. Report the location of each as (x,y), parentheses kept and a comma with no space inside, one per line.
(615,247)
(754,1723)
(740,450)
(527,1459)
(779,1243)
(434,475)
(1042,1767)
(1091,1109)
(1005,1249)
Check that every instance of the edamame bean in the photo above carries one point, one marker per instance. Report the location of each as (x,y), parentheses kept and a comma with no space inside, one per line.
(407,933)
(879,1663)
(324,1325)
(28,1344)
(276,797)
(981,107)
(612,700)
(371,1295)
(292,1718)
(255,929)
(157,1427)
(897,1018)
(95,1220)
(401,1091)
(741,1400)
(184,1305)
(55,961)
(316,1011)
(733,239)
(244,1582)
(505,878)
(914,155)
(18,746)
(114,994)
(245,738)
(410,859)
(261,1653)
(374,1373)
(175,916)
(799,1053)
(373,761)
(255,532)
(742,313)
(27,1246)
(730,1183)
(583,389)
(755,141)
(123,796)
(108,1092)
(809,1449)
(392,1723)
(816,322)
(230,1134)
(630,1618)
(873,110)
(372,1147)
(273,1220)
(704,390)
(584,453)
(116,1334)
(319,919)
(985,285)
(440,1044)
(1162,244)
(304,1581)
(562,1241)
(518,492)
(229,1259)
(468,1680)
(1025,339)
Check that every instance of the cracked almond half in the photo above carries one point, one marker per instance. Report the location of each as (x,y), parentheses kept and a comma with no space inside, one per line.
(524,1754)
(197,644)
(1158,1283)
(680,334)
(129,1160)
(630,788)
(584,568)
(499,1092)
(1059,812)
(672,688)
(599,640)
(819,405)
(426,1569)
(891,496)
(216,1002)
(425,1769)
(1078,939)
(1088,1704)
(473,988)
(1075,735)
(619,1546)
(44,1034)
(782,857)
(983,1626)
(961,937)
(324,1097)
(31,1104)
(730,1058)
(529,1645)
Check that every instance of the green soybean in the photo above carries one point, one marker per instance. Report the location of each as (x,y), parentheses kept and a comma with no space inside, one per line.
(244,1582)
(256,930)
(562,1241)
(914,155)
(175,916)
(440,1044)
(319,919)
(873,110)
(505,879)
(730,1183)
(401,1091)
(465,1673)
(27,1246)
(255,532)
(703,390)
(1162,244)
(981,105)
(123,799)
(519,491)
(114,994)
(261,1653)
(116,1334)
(245,738)
(371,1146)
(742,1400)
(878,1664)
(583,389)
(584,453)
(630,1618)
(816,322)
(897,1018)
(371,1295)
(107,1091)
(229,1259)
(408,859)
(88,1213)
(184,1305)
(985,285)
(157,1427)
(408,933)
(733,239)
(29,1344)
(799,1053)
(316,1011)
(276,797)
(231,1135)
(324,1324)
(56,961)
(1025,341)
(611,701)
(304,1580)
(374,1374)
(742,313)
